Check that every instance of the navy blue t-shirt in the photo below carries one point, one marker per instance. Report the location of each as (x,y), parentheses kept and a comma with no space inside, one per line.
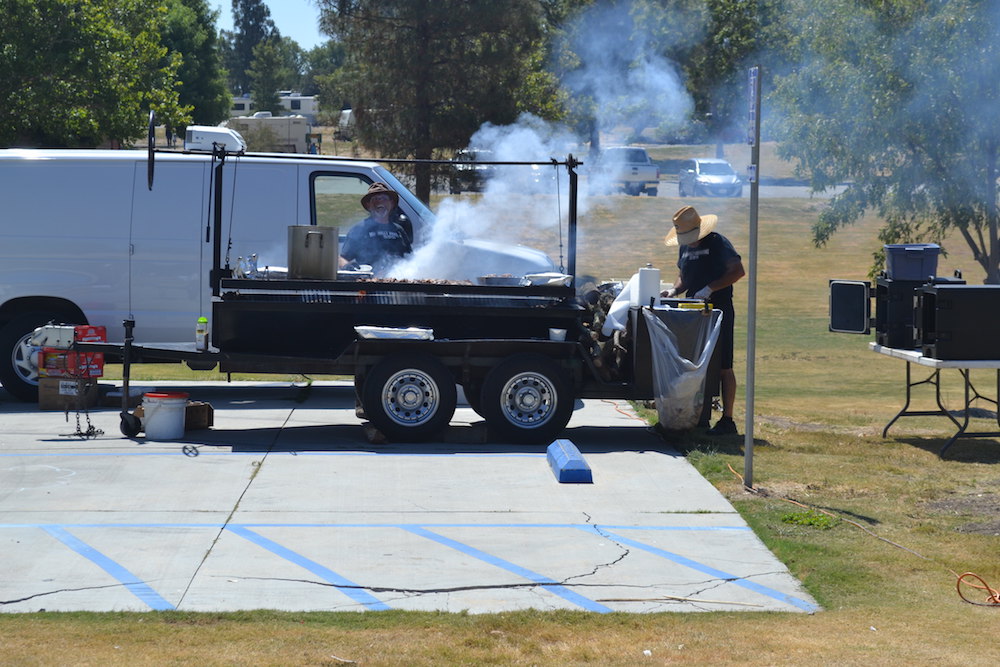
(701,265)
(376,243)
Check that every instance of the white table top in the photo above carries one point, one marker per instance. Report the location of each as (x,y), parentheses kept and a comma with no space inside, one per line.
(916,357)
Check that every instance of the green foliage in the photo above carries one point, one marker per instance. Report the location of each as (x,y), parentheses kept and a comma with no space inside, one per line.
(423,75)
(81,73)
(265,76)
(252,24)
(899,100)
(321,62)
(811,518)
(190,32)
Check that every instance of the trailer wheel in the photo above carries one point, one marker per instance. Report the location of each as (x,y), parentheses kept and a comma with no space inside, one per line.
(409,397)
(527,398)
(19,364)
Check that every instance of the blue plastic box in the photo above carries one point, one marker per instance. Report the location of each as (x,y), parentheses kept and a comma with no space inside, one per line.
(911,261)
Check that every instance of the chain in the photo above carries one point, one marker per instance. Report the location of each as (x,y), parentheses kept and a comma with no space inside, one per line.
(91,432)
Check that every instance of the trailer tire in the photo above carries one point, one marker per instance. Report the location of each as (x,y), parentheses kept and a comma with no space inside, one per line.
(527,398)
(409,397)
(18,373)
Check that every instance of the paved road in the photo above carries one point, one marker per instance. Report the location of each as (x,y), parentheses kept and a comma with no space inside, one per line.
(285,505)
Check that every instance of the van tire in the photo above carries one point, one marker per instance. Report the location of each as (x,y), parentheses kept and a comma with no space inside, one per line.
(17,374)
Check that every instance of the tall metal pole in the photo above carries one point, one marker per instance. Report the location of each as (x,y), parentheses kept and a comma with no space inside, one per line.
(754,173)
(571,164)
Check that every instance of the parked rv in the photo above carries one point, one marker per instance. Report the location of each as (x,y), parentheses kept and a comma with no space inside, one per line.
(85,240)
(273,134)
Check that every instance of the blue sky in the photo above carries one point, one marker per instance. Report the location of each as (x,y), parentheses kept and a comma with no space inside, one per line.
(297,19)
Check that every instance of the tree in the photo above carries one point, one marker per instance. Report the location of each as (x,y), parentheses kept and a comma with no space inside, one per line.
(423,75)
(252,25)
(265,76)
(715,67)
(321,61)
(82,73)
(899,100)
(190,32)
(620,60)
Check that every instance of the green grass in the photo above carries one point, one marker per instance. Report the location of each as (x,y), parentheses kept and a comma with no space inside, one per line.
(884,571)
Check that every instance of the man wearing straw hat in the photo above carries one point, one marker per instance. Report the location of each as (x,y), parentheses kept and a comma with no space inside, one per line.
(376,240)
(709,265)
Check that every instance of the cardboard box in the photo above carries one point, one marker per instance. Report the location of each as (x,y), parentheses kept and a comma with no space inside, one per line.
(67,394)
(55,363)
(197,415)
(85,333)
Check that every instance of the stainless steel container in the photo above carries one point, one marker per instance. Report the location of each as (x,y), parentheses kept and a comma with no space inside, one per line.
(312,252)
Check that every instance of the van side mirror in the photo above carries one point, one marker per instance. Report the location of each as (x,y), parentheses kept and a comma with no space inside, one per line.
(850,306)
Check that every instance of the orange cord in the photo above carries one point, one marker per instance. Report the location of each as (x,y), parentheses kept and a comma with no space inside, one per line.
(992,600)
(618,409)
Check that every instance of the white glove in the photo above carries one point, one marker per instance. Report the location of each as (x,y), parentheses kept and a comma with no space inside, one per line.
(669,294)
(703,293)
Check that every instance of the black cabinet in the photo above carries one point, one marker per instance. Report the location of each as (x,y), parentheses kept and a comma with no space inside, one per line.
(959,321)
(895,305)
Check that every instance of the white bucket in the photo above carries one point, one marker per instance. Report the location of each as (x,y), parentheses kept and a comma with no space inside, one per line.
(163,415)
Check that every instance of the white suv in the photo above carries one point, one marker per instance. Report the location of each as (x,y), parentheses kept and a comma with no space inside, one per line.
(709,177)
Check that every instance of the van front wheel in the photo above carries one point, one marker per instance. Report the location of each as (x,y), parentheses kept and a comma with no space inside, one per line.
(19,364)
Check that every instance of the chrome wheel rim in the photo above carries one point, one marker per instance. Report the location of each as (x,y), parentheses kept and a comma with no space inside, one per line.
(410,397)
(528,400)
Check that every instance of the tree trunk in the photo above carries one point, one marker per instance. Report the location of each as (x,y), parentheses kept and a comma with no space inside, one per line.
(993,270)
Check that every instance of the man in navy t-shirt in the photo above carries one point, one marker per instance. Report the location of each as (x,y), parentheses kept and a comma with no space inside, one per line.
(376,240)
(709,265)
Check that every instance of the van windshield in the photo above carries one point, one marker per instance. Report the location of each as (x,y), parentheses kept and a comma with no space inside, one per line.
(424,213)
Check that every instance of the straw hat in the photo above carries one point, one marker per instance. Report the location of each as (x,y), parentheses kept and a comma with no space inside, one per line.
(378,188)
(690,227)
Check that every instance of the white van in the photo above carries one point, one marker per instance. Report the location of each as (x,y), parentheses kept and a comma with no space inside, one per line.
(83,240)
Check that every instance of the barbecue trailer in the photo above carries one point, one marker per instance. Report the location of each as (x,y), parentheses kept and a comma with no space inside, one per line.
(522,349)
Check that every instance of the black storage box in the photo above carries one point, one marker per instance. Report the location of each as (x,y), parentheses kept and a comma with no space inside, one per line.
(895,305)
(959,322)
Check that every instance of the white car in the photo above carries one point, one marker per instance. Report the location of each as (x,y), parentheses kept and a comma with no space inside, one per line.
(709,177)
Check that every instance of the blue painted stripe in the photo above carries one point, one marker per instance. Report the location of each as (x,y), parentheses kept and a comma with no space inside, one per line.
(134,585)
(549,584)
(345,586)
(707,569)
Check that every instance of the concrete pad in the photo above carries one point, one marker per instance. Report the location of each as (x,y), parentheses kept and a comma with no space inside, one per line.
(285,505)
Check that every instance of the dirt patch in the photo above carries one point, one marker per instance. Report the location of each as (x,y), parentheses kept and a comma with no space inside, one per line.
(972,505)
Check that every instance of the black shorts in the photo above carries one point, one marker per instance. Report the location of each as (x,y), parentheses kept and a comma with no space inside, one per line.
(725,344)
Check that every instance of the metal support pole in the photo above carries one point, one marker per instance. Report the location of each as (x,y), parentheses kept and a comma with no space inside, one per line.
(217,271)
(571,164)
(754,140)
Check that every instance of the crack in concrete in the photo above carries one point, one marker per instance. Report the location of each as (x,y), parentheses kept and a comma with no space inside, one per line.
(625,551)
(60,590)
